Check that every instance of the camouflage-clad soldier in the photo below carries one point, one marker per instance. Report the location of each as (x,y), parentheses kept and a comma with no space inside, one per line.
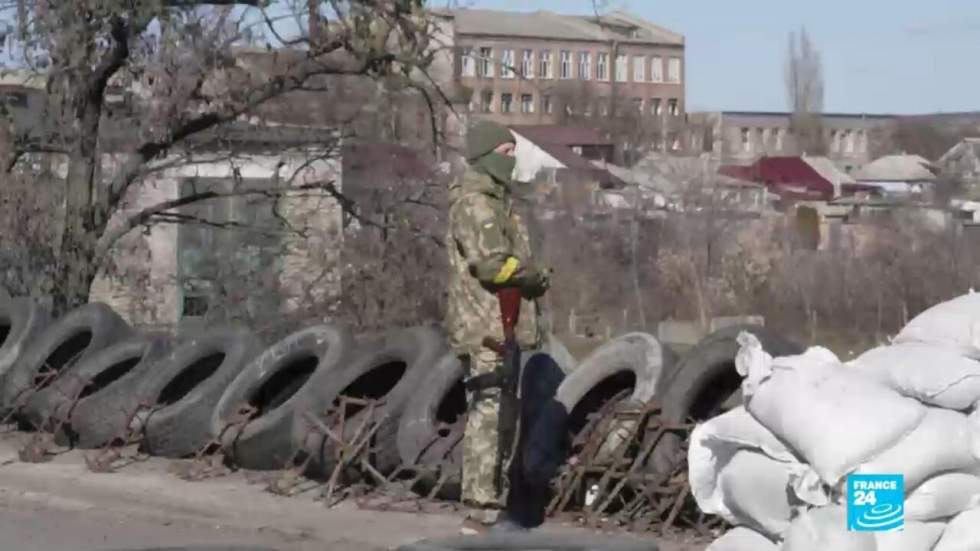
(488,249)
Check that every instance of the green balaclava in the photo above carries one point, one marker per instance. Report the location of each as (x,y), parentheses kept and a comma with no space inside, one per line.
(481,141)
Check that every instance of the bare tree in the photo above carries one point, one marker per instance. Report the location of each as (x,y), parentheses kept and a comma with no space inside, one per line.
(805,92)
(179,58)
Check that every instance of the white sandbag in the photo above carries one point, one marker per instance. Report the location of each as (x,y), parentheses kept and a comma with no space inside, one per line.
(737,429)
(831,415)
(954,323)
(962,533)
(941,443)
(915,536)
(712,446)
(742,539)
(943,496)
(825,529)
(756,489)
(936,375)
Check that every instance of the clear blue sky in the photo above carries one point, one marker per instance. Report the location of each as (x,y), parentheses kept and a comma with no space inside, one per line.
(895,56)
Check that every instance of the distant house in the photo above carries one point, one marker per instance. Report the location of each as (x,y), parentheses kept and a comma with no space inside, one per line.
(898,174)
(795,178)
(563,152)
(963,161)
(832,173)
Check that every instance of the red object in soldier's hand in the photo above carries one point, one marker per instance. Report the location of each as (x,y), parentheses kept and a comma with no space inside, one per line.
(510,309)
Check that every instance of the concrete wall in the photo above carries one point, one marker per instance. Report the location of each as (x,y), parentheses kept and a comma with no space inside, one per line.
(145,288)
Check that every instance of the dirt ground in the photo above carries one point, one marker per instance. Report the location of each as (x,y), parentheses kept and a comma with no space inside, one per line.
(43,505)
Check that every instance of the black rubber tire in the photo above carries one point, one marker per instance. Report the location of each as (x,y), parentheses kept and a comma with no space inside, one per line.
(418,348)
(64,337)
(180,423)
(539,541)
(46,408)
(271,438)
(704,379)
(637,353)
(21,322)
(420,428)
(106,413)
(425,440)
(431,426)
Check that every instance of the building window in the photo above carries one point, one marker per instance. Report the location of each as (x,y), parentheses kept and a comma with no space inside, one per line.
(566,64)
(862,141)
(485,65)
(639,68)
(673,109)
(848,141)
(585,65)
(507,64)
(834,141)
(486,101)
(468,63)
(506,103)
(780,135)
(621,69)
(760,137)
(604,106)
(602,68)
(544,64)
(546,104)
(656,69)
(527,64)
(655,107)
(746,143)
(674,70)
(527,103)
(638,105)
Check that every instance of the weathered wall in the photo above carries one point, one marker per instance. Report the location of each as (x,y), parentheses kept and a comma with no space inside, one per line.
(143,285)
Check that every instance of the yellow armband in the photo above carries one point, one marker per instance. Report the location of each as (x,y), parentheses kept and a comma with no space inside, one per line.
(506,271)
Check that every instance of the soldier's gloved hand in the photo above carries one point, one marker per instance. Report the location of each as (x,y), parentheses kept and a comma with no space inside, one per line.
(535,281)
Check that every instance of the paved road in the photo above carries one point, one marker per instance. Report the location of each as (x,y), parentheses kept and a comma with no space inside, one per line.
(37,529)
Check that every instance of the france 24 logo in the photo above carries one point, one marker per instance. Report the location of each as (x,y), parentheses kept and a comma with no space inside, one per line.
(875,502)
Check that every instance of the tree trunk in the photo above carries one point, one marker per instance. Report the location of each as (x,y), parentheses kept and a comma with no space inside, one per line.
(84,219)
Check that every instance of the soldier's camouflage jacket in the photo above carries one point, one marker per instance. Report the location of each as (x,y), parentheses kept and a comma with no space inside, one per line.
(484,232)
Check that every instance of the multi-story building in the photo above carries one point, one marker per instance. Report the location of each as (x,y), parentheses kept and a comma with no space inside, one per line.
(741,137)
(526,68)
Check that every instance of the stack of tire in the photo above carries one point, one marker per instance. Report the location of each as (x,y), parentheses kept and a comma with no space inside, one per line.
(92,380)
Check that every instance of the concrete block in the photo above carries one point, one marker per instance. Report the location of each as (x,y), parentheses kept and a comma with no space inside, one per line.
(728,321)
(679,332)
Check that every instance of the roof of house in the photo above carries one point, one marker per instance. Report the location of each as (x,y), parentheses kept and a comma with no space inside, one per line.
(831,172)
(563,135)
(620,26)
(966,146)
(785,176)
(558,141)
(896,168)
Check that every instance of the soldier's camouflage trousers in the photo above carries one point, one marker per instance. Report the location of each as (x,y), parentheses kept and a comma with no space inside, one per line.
(480,444)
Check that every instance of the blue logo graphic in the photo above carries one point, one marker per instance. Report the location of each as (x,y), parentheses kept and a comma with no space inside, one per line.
(875,502)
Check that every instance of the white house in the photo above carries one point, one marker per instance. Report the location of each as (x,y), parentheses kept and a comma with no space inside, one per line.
(898,174)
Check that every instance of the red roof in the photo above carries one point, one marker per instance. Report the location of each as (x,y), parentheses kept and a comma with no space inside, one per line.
(786,176)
